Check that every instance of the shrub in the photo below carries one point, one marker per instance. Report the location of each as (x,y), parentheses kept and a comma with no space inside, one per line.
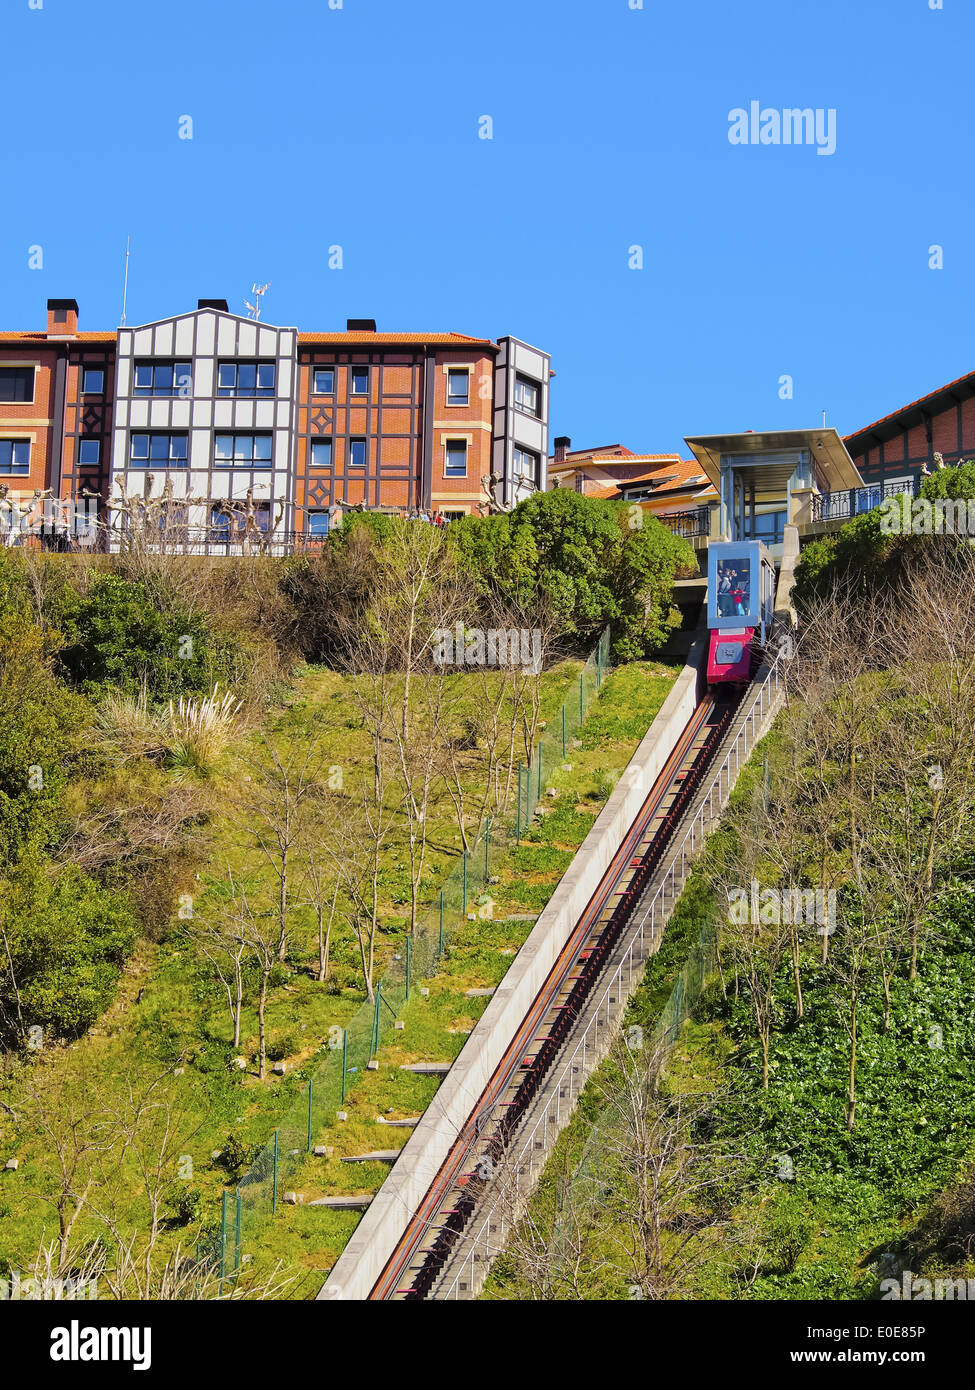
(67,938)
(41,722)
(118,641)
(199,730)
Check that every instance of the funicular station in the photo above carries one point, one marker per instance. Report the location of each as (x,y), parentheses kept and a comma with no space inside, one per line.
(772,491)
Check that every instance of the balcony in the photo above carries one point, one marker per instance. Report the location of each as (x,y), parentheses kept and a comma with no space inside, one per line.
(854,501)
(688,525)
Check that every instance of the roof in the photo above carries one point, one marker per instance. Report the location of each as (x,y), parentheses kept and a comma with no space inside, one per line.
(56,338)
(672,477)
(604,450)
(683,476)
(615,454)
(366,339)
(825,446)
(889,426)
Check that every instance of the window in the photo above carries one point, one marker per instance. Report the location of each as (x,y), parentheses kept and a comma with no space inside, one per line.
(92,382)
(17,384)
(242,451)
(321,453)
(357,453)
(157,450)
(359,377)
(14,455)
(89,451)
(246,379)
(221,522)
(317,523)
(162,379)
(526,395)
(525,464)
(458,386)
(324,381)
(455,463)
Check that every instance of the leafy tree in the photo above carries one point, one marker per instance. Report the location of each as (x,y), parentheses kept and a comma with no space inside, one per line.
(117,638)
(587,558)
(63,939)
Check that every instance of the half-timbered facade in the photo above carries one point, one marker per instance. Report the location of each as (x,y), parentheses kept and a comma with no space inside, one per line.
(223,414)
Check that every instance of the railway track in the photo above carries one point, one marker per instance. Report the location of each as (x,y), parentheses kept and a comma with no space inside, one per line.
(452,1199)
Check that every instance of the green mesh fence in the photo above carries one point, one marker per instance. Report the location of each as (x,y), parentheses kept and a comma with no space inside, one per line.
(260,1191)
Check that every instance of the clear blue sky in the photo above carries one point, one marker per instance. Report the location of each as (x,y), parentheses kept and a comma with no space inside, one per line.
(359,127)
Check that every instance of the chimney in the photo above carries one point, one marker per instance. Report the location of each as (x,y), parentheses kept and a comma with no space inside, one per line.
(62,318)
(562,446)
(360,325)
(219,304)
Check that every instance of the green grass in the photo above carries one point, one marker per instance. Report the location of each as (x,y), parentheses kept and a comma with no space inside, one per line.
(169,1012)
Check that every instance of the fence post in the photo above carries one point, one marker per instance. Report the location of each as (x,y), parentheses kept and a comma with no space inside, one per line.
(237,1234)
(375,1024)
(539,792)
(274,1177)
(311,1088)
(223,1237)
(440,946)
(465,883)
(345,1058)
(599,663)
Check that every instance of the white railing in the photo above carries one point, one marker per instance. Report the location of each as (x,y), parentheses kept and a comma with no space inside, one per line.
(464,1274)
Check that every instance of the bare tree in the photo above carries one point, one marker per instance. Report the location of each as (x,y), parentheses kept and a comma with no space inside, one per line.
(220,942)
(76,1131)
(275,804)
(258,933)
(321,882)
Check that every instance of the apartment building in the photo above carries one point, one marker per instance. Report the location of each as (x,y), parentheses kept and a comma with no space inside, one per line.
(901,447)
(212,411)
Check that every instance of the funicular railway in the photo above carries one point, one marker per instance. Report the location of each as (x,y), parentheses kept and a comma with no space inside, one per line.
(434,1227)
(430,1236)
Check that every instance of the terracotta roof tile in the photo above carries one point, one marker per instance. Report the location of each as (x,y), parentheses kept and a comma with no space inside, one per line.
(911,405)
(13,337)
(444,339)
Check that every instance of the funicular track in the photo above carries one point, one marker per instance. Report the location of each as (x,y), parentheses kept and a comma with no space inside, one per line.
(440,1220)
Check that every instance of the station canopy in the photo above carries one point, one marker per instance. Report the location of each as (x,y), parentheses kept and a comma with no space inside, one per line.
(772,455)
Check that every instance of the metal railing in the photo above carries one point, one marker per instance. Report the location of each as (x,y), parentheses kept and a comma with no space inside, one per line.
(463,1277)
(687,524)
(850,502)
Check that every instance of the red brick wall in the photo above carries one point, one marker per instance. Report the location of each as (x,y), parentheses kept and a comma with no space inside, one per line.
(394,420)
(473,421)
(19,419)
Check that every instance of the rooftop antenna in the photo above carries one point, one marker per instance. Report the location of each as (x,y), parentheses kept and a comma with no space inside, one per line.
(255,308)
(125,283)
(824,419)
